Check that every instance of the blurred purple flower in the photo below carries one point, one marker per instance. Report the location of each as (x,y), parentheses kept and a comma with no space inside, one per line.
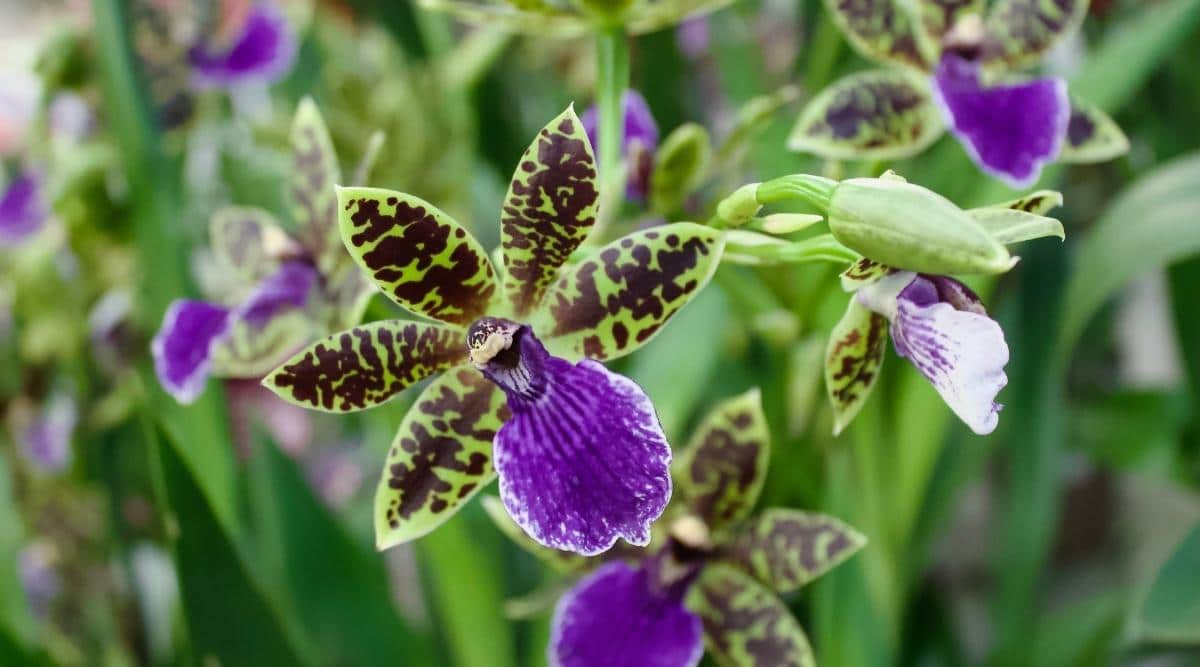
(37,571)
(71,117)
(693,37)
(336,475)
(23,209)
(262,52)
(46,441)
(637,144)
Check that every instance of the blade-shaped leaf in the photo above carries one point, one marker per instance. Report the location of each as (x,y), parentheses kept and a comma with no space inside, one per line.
(934,18)
(1092,135)
(417,255)
(562,561)
(862,273)
(251,350)
(368,365)
(1009,225)
(1037,203)
(785,549)
(1021,32)
(852,361)
(746,625)
(1171,610)
(441,457)
(872,115)
(315,172)
(617,298)
(881,30)
(549,210)
(248,241)
(721,472)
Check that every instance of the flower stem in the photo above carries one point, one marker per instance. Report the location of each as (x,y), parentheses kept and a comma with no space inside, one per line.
(612,78)
(814,190)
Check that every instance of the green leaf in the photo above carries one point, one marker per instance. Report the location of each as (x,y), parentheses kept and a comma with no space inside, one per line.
(1009,225)
(252,351)
(621,295)
(1037,203)
(315,173)
(872,115)
(680,164)
(248,241)
(853,358)
(720,474)
(549,209)
(785,549)
(562,561)
(881,30)
(1021,32)
(746,625)
(417,255)
(366,366)
(1171,611)
(862,273)
(441,457)
(1092,136)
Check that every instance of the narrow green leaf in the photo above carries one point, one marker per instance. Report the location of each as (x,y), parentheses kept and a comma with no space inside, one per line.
(1092,136)
(549,209)
(872,115)
(1171,611)
(853,358)
(720,474)
(315,173)
(621,295)
(881,30)
(366,366)
(441,457)
(1021,32)
(785,549)
(746,625)
(1013,226)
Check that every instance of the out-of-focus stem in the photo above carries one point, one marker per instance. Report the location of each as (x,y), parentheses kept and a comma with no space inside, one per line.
(612,78)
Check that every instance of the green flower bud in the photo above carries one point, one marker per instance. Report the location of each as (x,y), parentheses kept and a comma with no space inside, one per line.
(909,227)
(740,207)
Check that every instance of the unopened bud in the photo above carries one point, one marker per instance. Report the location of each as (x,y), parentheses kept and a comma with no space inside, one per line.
(740,207)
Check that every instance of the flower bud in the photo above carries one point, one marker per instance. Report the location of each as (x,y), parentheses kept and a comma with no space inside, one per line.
(909,227)
(740,207)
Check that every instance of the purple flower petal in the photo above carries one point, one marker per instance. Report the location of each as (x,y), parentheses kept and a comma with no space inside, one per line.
(939,325)
(615,617)
(22,209)
(287,288)
(46,442)
(263,52)
(182,348)
(637,144)
(1010,130)
(583,460)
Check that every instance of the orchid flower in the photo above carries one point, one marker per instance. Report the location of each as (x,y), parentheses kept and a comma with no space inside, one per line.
(288,289)
(714,577)
(955,65)
(521,394)
(637,145)
(258,47)
(23,208)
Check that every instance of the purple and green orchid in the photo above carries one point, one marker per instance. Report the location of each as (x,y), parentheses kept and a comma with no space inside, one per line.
(286,289)
(256,46)
(519,392)
(954,66)
(713,577)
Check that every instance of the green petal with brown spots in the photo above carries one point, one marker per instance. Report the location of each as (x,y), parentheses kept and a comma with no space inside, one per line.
(862,273)
(416,254)
(785,549)
(746,625)
(1092,135)
(721,473)
(619,296)
(368,365)
(248,242)
(881,30)
(1037,203)
(315,172)
(934,18)
(852,361)
(1009,225)
(872,115)
(1021,32)
(549,210)
(252,351)
(562,561)
(441,457)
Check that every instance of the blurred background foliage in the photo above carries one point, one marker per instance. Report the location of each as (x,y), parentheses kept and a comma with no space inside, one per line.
(1070,537)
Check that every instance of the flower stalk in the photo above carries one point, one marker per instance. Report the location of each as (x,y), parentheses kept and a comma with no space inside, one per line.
(612,78)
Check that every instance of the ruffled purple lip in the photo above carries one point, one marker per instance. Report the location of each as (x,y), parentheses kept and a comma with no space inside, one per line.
(263,52)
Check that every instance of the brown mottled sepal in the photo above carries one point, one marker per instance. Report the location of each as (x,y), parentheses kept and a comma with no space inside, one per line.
(881,30)
(862,273)
(315,173)
(852,361)
(745,624)
(785,549)
(1092,135)
(1021,32)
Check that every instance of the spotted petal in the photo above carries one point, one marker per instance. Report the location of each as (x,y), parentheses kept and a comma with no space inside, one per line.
(417,255)
(853,358)
(785,549)
(22,208)
(315,173)
(1037,203)
(1010,130)
(721,472)
(549,209)
(182,348)
(367,365)
(1092,136)
(619,617)
(746,625)
(881,30)
(248,241)
(441,457)
(862,273)
(875,115)
(262,52)
(619,296)
(1021,32)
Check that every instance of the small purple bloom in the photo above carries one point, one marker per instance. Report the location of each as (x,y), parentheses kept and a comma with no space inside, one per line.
(620,616)
(1010,130)
(941,327)
(287,288)
(262,52)
(693,37)
(37,571)
(46,442)
(637,145)
(183,347)
(583,460)
(23,209)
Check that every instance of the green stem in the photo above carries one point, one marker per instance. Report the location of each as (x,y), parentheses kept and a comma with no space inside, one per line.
(612,78)
(822,248)
(815,190)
